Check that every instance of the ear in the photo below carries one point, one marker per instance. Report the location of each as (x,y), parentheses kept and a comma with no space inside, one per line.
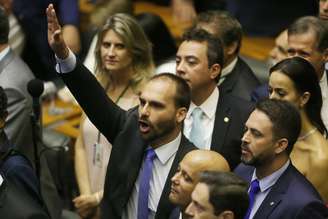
(215,71)
(181,114)
(226,215)
(304,99)
(281,145)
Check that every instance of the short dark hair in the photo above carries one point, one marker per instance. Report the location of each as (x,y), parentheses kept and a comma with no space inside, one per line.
(182,95)
(304,78)
(163,43)
(227,27)
(226,192)
(311,24)
(3,103)
(285,118)
(4,26)
(214,44)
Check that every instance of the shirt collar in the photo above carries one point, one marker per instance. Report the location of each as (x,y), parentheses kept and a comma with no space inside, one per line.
(4,52)
(270,180)
(323,84)
(228,68)
(165,152)
(208,106)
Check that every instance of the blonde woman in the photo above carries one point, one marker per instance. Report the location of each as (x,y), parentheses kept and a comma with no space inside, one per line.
(123,63)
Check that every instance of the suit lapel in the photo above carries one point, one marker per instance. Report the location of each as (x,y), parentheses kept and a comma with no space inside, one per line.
(230,81)
(276,194)
(221,124)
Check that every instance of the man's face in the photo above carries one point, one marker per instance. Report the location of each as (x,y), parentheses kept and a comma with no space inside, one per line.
(200,206)
(158,116)
(192,65)
(114,54)
(279,52)
(257,143)
(184,181)
(305,46)
(323,9)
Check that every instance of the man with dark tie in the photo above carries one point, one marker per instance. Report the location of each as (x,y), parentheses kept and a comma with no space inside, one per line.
(147,140)
(277,189)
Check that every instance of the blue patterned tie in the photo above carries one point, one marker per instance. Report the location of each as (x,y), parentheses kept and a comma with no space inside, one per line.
(196,133)
(144,184)
(255,188)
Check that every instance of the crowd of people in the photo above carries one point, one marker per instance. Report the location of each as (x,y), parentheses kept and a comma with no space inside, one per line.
(169,131)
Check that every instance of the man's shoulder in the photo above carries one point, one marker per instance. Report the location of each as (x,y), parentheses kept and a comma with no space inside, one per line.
(297,183)
(237,104)
(245,71)
(16,74)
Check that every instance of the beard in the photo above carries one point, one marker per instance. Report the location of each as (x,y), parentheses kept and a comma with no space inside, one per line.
(159,131)
(260,159)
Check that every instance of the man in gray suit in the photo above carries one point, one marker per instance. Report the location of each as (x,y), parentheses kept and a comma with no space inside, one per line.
(14,75)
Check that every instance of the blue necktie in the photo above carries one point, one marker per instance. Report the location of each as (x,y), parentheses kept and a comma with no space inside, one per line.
(196,133)
(255,188)
(144,184)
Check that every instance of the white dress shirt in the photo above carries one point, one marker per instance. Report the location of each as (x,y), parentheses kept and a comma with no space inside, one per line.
(165,155)
(324,92)
(227,70)
(265,186)
(209,110)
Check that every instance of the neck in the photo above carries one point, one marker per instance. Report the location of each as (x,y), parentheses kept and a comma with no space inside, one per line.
(165,139)
(200,95)
(306,124)
(121,77)
(3,46)
(271,166)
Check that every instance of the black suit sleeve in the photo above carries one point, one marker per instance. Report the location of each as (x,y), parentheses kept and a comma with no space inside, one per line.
(104,114)
(314,210)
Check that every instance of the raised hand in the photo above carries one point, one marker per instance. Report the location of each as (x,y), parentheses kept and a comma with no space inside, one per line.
(55,35)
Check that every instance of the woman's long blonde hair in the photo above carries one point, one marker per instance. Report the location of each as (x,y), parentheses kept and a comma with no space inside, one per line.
(135,41)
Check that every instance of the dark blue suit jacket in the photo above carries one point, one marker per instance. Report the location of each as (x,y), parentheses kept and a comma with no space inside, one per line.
(269,17)
(260,93)
(240,82)
(32,17)
(291,197)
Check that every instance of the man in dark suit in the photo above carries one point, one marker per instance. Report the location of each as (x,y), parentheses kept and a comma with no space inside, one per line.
(16,203)
(236,78)
(214,121)
(278,190)
(18,180)
(147,141)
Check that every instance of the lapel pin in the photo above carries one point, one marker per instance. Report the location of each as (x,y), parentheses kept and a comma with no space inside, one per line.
(226,119)
(271,203)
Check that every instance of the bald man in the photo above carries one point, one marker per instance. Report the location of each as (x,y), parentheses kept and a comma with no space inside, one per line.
(187,176)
